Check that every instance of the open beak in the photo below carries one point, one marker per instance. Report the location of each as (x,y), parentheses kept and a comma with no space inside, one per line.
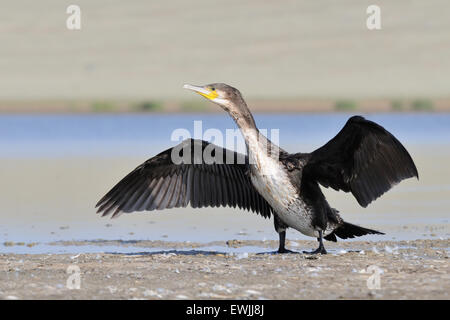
(207,93)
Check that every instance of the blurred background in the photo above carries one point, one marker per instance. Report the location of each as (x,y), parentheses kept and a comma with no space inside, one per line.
(79,109)
(288,55)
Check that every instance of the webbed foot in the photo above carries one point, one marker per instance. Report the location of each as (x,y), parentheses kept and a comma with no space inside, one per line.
(320,250)
(284,250)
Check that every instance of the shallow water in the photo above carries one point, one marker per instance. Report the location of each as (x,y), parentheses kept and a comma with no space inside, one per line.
(56,167)
(144,134)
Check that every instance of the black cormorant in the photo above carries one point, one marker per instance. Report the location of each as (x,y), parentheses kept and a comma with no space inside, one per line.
(363,158)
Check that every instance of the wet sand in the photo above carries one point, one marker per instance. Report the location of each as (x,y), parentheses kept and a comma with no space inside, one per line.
(62,208)
(407,270)
(48,224)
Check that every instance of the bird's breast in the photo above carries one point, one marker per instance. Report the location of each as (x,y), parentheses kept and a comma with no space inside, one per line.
(271,179)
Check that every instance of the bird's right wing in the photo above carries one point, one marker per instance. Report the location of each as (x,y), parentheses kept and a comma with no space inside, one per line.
(184,175)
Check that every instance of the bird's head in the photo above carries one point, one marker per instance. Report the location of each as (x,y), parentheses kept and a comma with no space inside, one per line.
(229,98)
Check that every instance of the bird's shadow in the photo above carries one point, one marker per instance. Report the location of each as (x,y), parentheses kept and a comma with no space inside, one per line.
(213,253)
(190,253)
(176,252)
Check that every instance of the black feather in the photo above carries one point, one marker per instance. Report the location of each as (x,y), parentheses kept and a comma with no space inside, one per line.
(348,230)
(363,158)
(159,184)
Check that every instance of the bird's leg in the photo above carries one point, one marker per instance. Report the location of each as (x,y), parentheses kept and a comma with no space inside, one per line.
(282,248)
(281,229)
(321,248)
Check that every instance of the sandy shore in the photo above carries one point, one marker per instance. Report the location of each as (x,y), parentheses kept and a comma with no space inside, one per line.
(407,270)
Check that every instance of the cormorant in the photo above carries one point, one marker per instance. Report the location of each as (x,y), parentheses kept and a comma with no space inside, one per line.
(363,158)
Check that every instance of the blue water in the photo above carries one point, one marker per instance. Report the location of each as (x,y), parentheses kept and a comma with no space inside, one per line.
(139,134)
(27,218)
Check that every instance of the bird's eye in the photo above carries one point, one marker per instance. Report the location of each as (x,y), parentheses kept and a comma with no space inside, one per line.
(213,89)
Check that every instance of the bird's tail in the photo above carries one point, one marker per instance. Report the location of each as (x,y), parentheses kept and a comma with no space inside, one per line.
(348,230)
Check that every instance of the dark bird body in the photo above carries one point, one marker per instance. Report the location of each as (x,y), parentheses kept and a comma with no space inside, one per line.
(363,158)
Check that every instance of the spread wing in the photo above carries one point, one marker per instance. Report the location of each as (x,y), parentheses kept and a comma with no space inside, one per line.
(363,158)
(194,172)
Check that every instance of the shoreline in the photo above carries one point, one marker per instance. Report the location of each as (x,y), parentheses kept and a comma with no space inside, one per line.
(223,246)
(288,105)
(418,270)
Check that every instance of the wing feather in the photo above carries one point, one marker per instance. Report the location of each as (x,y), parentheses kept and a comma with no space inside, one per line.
(364,159)
(160,183)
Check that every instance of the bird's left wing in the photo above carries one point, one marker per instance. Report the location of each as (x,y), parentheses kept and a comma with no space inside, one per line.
(363,158)
(194,172)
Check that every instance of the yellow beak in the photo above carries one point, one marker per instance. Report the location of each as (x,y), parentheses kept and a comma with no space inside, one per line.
(206,92)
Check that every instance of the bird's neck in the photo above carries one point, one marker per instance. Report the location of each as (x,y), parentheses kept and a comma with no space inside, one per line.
(243,118)
(255,141)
